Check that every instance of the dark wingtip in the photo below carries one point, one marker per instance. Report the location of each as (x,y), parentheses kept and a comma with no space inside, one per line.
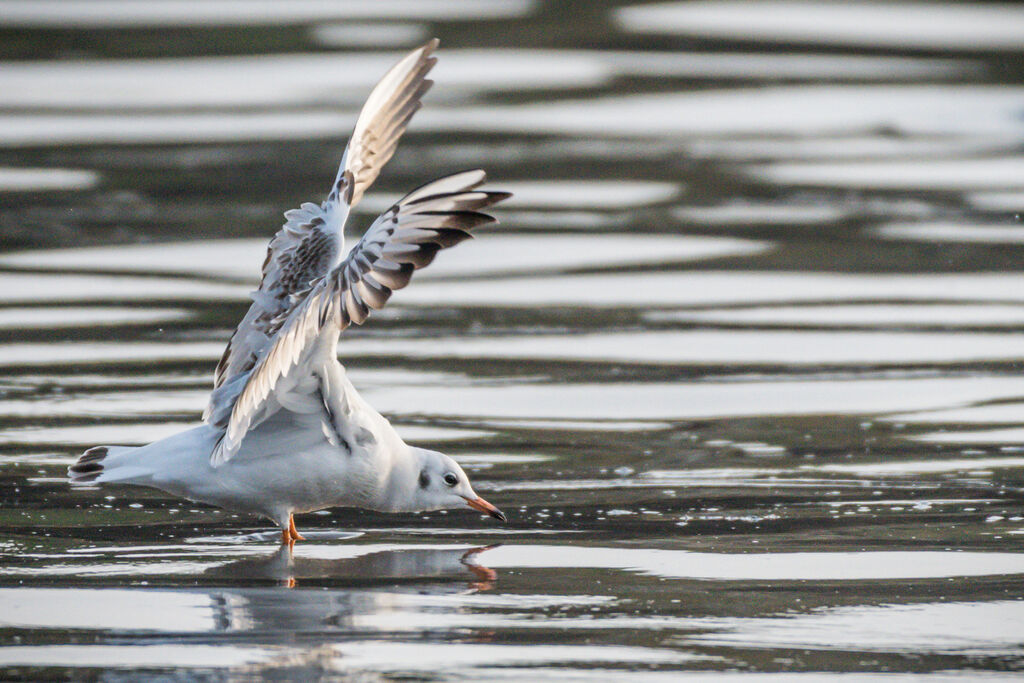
(498,195)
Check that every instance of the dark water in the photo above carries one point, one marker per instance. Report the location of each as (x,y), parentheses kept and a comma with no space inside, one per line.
(742,362)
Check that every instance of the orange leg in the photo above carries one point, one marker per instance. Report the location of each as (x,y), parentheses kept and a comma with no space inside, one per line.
(292,531)
(286,537)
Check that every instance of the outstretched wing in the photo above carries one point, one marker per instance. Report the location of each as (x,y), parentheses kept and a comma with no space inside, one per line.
(310,243)
(403,239)
(384,118)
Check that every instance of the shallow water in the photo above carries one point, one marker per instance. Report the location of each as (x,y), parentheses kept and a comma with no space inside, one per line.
(741,362)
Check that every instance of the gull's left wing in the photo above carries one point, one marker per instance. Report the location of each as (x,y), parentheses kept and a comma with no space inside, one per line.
(310,242)
(403,239)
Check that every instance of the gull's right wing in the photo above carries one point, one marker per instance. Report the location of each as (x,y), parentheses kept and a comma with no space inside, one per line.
(404,238)
(311,241)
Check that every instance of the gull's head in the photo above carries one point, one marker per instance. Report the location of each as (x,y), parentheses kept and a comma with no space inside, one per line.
(441,484)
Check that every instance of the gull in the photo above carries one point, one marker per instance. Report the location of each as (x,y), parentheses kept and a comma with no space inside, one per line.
(285,431)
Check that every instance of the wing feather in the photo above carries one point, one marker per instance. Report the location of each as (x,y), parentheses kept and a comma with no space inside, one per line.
(384,118)
(401,240)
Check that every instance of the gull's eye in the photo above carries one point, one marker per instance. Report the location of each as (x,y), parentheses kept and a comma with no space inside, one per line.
(451,479)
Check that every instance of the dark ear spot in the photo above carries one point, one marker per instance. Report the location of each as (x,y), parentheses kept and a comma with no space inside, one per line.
(424,479)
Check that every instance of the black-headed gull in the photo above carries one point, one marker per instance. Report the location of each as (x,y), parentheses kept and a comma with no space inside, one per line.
(285,431)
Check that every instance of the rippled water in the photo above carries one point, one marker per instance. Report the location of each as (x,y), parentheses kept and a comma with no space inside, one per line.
(741,362)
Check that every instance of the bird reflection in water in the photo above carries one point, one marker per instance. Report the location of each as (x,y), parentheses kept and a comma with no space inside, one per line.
(371,569)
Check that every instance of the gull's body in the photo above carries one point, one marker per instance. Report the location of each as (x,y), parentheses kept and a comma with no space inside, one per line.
(284,466)
(285,431)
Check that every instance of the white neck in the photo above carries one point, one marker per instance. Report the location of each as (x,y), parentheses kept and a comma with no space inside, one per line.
(397,491)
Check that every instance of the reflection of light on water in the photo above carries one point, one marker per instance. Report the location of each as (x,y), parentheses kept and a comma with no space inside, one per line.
(907,468)
(231,258)
(864,315)
(933,25)
(987,436)
(981,628)
(712,347)
(800,111)
(796,566)
(804,476)
(90,435)
(583,425)
(925,175)
(169,13)
(591,194)
(353,34)
(500,458)
(1012,233)
(104,352)
(42,317)
(135,655)
(414,657)
(433,433)
(20,130)
(646,289)
(108,404)
(774,65)
(514,254)
(854,147)
(46,179)
(40,287)
(736,215)
(995,413)
(92,380)
(998,201)
(109,609)
(685,400)
(565,220)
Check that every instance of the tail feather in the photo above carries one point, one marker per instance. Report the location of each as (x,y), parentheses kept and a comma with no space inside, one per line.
(89,466)
(92,464)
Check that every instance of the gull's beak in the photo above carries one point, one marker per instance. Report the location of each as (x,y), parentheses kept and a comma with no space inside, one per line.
(486,508)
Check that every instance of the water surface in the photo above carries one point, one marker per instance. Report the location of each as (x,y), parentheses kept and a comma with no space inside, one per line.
(741,362)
